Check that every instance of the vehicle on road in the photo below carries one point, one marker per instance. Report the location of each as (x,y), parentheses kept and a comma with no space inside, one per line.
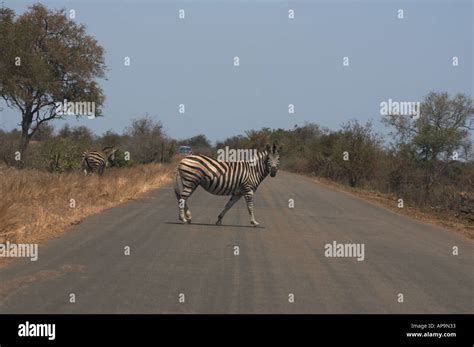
(185,150)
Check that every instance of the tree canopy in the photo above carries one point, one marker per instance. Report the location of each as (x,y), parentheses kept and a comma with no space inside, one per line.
(46,58)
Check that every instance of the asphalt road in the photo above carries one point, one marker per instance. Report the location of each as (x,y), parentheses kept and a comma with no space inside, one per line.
(286,255)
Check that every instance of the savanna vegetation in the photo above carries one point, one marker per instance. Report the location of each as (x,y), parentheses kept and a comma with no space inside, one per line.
(46,57)
(37,185)
(428,163)
(36,204)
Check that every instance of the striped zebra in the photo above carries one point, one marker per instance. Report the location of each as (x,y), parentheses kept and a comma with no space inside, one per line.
(236,179)
(96,161)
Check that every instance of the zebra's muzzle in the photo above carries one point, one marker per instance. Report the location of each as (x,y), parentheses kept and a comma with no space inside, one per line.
(273,172)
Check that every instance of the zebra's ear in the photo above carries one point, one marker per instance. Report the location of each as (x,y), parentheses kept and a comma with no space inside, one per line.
(274,148)
(268,148)
(280,149)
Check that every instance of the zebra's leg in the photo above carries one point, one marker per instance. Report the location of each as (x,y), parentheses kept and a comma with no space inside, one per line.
(233,199)
(249,201)
(183,191)
(184,212)
(182,205)
(187,212)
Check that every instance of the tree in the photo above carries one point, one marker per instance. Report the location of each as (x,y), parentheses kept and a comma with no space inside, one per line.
(44,132)
(65,131)
(46,58)
(111,138)
(232,142)
(258,139)
(196,141)
(82,135)
(439,136)
(442,128)
(146,141)
(356,151)
(199,144)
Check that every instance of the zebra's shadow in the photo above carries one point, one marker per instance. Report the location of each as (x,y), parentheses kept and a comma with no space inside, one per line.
(219,226)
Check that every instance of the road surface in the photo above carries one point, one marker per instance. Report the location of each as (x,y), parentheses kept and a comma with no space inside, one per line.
(282,260)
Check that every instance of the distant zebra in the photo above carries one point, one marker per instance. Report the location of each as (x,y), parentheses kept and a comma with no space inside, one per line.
(223,178)
(96,161)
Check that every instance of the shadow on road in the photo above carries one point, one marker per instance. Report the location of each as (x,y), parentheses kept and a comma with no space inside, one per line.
(219,226)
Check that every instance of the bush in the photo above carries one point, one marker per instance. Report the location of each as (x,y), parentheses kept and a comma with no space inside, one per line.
(121,159)
(8,146)
(55,155)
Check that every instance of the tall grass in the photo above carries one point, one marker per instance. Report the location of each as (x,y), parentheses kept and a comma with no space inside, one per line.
(36,205)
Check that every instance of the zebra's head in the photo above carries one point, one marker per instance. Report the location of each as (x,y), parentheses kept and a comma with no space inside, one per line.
(273,159)
(110,154)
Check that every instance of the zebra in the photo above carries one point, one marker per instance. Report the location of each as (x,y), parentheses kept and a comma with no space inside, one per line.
(96,161)
(236,179)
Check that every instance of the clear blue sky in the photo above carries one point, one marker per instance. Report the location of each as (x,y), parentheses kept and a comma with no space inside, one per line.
(282,61)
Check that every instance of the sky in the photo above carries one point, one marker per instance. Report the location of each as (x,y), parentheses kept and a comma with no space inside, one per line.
(282,61)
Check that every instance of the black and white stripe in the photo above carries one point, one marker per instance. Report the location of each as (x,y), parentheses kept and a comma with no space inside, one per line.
(96,161)
(223,178)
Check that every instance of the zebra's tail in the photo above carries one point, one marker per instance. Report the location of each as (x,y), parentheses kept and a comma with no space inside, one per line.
(178,184)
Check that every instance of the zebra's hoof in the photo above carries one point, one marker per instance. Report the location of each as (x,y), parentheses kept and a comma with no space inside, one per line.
(189,221)
(254,223)
(219,222)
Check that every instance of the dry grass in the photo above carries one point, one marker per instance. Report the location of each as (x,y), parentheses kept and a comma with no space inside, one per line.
(390,202)
(35,205)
